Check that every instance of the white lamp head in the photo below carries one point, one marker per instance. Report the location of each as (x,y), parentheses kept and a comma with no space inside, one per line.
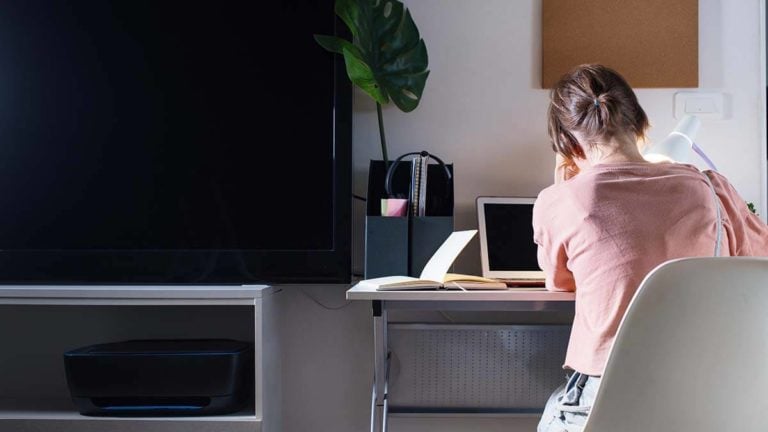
(678,145)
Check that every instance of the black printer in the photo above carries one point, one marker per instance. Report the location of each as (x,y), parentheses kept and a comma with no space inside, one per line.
(179,377)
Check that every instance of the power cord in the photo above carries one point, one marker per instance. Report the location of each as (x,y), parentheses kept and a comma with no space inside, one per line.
(321,304)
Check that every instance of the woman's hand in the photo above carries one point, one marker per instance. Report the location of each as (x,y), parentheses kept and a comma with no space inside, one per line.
(564,169)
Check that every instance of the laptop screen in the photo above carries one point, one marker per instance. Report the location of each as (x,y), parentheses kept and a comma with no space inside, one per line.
(506,237)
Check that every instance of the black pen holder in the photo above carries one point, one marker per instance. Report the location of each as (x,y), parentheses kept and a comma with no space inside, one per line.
(402,245)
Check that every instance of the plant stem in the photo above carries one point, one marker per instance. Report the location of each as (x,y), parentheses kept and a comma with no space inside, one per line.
(381,136)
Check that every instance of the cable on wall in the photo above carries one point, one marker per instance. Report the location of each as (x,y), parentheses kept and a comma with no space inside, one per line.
(323,305)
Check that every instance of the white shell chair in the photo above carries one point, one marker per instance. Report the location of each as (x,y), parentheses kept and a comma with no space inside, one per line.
(691,353)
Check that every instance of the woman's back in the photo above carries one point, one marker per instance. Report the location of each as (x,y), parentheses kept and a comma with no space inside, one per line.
(602,231)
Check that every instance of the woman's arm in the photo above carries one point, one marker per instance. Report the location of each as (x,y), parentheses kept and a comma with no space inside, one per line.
(747,233)
(551,254)
(554,263)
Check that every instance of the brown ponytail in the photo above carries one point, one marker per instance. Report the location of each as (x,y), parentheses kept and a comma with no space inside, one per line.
(598,104)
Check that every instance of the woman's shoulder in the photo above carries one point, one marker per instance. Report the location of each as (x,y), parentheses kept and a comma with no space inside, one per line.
(556,191)
(619,175)
(644,169)
(551,194)
(723,187)
(718,181)
(610,173)
(616,178)
(557,197)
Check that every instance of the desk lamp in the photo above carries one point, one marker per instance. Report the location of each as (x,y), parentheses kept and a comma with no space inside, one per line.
(676,146)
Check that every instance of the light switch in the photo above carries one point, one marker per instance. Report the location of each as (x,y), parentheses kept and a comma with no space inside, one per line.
(708,105)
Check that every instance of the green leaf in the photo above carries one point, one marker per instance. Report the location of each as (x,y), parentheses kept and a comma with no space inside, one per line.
(362,76)
(411,62)
(400,54)
(405,90)
(336,44)
(349,12)
(331,43)
(387,16)
(404,39)
(751,207)
(387,54)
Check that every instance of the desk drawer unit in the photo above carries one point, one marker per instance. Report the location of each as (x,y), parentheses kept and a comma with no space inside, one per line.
(474,368)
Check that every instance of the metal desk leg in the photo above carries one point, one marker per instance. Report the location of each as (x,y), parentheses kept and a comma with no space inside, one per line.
(380,366)
(385,409)
(373,405)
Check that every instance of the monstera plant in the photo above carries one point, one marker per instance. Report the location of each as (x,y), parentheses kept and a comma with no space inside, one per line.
(386,58)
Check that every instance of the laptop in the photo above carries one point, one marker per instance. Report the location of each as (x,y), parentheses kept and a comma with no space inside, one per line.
(507,250)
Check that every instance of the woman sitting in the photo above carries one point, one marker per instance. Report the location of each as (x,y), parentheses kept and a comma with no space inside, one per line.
(611,217)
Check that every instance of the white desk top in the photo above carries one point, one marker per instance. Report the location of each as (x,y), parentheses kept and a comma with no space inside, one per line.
(358,293)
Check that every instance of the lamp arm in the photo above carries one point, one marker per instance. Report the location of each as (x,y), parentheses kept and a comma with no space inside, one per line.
(700,152)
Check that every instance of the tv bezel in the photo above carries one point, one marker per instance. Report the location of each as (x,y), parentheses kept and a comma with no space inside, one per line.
(214,266)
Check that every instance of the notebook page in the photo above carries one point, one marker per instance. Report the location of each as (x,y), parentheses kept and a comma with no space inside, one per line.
(438,265)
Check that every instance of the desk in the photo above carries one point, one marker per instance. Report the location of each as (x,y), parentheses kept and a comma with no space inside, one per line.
(444,300)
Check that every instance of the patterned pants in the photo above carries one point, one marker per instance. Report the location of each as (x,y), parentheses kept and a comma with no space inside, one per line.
(569,405)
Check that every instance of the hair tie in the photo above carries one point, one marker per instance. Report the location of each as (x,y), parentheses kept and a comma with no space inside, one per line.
(597,103)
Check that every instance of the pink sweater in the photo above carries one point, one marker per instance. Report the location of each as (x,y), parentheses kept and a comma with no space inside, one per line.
(600,232)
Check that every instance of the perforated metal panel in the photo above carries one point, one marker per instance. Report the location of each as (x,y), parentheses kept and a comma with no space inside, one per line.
(474,367)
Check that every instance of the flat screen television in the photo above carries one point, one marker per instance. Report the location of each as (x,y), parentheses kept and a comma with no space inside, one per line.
(149,141)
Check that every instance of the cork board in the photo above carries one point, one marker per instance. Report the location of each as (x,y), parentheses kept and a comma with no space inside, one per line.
(652,43)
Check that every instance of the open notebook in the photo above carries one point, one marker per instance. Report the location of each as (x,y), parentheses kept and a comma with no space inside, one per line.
(435,273)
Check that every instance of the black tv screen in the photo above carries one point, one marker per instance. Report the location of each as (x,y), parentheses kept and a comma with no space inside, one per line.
(172,142)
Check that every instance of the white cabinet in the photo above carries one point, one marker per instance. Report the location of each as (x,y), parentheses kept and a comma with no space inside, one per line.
(39,323)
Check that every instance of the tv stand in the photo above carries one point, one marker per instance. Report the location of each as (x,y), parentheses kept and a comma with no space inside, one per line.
(38,323)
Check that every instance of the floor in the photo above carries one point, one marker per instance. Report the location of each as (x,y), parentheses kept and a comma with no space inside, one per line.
(462,424)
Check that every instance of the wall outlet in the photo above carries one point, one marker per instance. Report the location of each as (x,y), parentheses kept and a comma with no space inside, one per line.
(706,105)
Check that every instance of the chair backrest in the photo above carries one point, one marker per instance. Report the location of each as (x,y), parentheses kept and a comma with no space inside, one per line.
(691,353)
